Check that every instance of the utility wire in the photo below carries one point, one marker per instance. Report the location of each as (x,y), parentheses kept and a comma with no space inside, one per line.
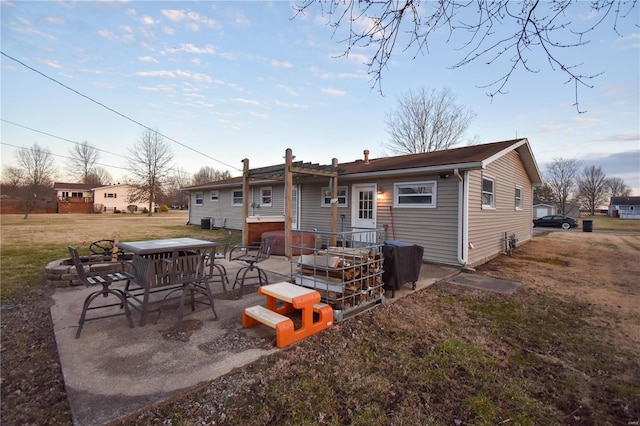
(69,140)
(58,137)
(116,112)
(62,156)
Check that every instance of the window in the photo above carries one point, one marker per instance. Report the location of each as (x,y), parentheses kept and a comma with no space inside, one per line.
(199,199)
(76,194)
(488,193)
(236,197)
(326,196)
(518,198)
(110,195)
(265,197)
(415,194)
(215,195)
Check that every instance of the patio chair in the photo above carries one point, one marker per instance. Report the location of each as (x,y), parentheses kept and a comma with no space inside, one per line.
(213,266)
(182,273)
(251,255)
(105,281)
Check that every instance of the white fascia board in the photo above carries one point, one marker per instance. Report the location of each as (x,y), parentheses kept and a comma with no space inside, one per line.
(415,170)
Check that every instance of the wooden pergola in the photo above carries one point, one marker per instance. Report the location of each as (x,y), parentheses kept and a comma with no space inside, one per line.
(286,172)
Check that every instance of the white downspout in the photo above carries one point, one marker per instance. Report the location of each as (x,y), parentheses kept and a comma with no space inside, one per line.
(463,220)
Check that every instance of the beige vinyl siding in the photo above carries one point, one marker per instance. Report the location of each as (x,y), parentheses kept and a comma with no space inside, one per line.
(488,226)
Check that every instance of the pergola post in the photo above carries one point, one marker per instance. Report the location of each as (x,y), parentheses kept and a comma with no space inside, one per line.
(245,202)
(288,202)
(334,203)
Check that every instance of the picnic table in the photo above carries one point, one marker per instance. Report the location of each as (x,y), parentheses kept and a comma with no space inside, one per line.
(282,299)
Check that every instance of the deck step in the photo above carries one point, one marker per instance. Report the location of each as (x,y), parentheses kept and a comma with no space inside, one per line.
(265,316)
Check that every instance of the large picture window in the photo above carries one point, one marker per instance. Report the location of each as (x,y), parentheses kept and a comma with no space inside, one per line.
(199,199)
(265,197)
(342,197)
(415,194)
(237,198)
(488,193)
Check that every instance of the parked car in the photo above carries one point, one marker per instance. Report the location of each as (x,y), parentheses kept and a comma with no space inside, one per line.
(556,220)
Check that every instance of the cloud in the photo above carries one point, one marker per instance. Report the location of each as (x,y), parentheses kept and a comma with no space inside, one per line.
(621,137)
(292,106)
(287,89)
(173,14)
(147,20)
(334,92)
(259,115)
(32,31)
(192,20)
(147,59)
(55,21)
(50,63)
(190,48)
(246,101)
(160,88)
(281,64)
(163,74)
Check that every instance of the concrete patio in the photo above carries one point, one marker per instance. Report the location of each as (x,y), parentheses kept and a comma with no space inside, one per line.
(112,370)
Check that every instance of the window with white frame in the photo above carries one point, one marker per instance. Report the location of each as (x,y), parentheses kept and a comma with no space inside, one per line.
(518,198)
(265,196)
(199,199)
(488,193)
(215,195)
(326,197)
(415,194)
(237,197)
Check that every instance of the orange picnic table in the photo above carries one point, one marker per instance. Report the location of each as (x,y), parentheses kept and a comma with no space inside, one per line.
(284,298)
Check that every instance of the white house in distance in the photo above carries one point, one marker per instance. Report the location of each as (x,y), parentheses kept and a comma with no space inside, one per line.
(112,198)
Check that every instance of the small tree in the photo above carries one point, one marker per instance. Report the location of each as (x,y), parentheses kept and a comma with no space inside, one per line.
(425,121)
(592,188)
(150,163)
(544,193)
(561,177)
(617,187)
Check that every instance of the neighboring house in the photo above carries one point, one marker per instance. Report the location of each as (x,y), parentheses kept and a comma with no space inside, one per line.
(543,208)
(114,198)
(459,204)
(625,207)
(74,197)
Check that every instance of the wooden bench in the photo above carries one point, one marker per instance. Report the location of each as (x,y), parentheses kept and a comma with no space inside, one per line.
(291,297)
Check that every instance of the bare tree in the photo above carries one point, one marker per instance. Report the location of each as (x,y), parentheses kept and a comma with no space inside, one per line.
(99,176)
(592,188)
(37,173)
(561,177)
(178,179)
(82,160)
(150,163)
(209,174)
(425,121)
(617,187)
(512,35)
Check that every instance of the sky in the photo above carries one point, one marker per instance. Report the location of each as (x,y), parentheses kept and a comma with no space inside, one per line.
(224,81)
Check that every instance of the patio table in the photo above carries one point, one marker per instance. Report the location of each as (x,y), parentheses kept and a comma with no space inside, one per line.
(166,266)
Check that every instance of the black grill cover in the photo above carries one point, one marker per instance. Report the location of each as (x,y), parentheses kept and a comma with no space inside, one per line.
(402,262)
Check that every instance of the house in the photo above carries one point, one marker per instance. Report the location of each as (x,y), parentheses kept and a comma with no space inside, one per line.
(74,197)
(543,208)
(460,204)
(625,207)
(115,198)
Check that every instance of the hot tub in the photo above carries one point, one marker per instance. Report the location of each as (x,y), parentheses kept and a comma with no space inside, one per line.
(257,225)
(303,242)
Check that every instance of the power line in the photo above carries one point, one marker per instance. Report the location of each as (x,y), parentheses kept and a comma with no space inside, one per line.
(58,137)
(115,112)
(63,156)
